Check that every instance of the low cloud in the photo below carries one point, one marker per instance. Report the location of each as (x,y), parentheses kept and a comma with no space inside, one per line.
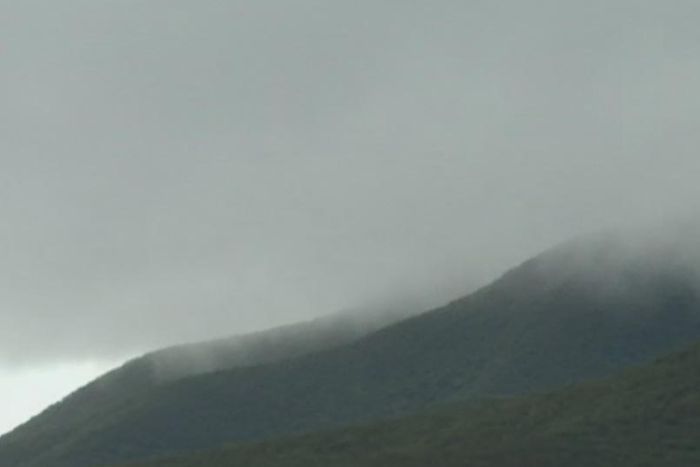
(174,171)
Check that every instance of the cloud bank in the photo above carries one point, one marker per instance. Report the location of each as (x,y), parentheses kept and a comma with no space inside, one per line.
(177,170)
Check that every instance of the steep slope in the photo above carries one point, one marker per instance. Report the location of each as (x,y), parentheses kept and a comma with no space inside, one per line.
(645,417)
(583,310)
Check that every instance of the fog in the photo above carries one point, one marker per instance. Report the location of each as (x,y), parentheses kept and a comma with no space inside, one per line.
(174,171)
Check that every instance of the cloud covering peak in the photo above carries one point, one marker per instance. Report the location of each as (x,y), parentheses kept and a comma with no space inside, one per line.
(175,170)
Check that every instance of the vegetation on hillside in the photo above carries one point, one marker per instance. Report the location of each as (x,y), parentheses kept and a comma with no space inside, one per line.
(647,417)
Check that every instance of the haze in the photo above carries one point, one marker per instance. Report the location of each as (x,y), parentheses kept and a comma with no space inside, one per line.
(174,171)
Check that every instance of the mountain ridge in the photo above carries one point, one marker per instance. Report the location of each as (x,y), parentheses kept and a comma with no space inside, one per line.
(583,310)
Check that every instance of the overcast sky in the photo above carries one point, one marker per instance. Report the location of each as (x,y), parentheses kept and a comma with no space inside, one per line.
(176,170)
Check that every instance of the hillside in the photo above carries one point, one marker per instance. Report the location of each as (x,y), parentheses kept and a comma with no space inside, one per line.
(123,386)
(646,417)
(583,310)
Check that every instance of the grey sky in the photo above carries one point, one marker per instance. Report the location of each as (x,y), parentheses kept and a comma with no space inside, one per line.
(175,170)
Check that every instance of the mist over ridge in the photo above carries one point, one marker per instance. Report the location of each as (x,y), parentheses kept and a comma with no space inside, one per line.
(174,172)
(606,263)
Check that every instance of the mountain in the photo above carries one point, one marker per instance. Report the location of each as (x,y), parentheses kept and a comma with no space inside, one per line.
(583,310)
(644,417)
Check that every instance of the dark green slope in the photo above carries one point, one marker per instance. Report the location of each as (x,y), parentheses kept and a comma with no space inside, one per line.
(646,417)
(580,311)
(90,407)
